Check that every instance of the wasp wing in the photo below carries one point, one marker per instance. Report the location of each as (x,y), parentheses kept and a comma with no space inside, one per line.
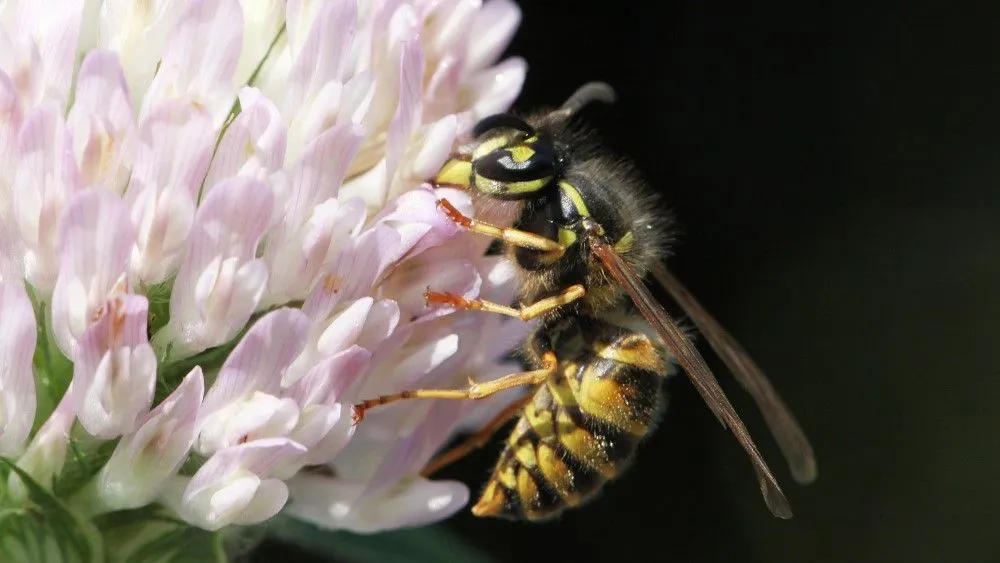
(694,365)
(787,432)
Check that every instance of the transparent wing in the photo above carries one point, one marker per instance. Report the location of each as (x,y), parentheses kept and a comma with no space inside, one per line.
(694,365)
(787,432)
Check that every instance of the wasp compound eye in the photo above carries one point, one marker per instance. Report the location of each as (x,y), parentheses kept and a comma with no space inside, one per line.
(502,121)
(516,171)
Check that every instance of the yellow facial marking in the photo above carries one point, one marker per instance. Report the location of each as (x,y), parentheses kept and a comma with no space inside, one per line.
(489,186)
(567,237)
(574,195)
(455,172)
(521,153)
(625,243)
(490,145)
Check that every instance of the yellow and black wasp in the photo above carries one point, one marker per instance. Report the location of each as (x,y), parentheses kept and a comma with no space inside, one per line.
(585,238)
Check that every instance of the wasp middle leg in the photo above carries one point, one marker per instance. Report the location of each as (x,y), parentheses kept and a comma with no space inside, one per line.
(475,391)
(524,312)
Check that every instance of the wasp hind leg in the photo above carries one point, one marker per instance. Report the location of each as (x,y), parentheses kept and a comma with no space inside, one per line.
(475,391)
(525,312)
(476,440)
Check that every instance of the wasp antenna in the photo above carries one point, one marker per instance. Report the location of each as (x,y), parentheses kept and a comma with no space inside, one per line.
(584,95)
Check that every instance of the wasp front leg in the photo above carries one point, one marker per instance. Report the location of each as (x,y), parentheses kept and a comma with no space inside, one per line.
(524,312)
(552,250)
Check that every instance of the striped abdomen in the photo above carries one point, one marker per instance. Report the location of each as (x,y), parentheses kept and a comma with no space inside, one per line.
(580,430)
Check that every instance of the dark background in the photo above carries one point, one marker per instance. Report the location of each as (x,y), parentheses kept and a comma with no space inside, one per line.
(835,169)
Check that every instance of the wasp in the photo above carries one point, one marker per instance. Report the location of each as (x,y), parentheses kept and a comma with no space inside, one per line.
(586,237)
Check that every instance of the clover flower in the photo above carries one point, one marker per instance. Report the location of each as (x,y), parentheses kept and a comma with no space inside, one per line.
(215,235)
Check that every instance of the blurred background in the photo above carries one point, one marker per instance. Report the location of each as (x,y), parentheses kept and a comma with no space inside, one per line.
(834,168)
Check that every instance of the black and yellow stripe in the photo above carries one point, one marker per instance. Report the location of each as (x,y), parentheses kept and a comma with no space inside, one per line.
(581,428)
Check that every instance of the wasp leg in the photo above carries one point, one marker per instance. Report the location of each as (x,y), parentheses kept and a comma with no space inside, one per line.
(525,312)
(521,239)
(474,392)
(477,440)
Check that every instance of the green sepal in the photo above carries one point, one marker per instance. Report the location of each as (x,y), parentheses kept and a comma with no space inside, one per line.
(42,528)
(150,535)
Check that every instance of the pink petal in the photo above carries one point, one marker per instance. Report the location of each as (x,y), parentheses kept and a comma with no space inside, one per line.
(10,126)
(46,178)
(322,57)
(95,242)
(408,110)
(253,144)
(174,147)
(259,360)
(317,176)
(115,369)
(101,121)
(54,26)
(297,258)
(220,282)
(327,378)
(17,383)
(257,457)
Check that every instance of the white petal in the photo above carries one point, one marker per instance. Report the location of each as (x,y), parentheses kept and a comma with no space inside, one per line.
(492,31)
(200,58)
(262,21)
(143,461)
(138,33)
(17,383)
(329,504)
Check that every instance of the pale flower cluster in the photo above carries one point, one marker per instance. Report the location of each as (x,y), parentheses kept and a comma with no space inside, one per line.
(216,235)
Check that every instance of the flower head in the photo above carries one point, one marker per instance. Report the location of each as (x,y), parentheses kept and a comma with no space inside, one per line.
(216,233)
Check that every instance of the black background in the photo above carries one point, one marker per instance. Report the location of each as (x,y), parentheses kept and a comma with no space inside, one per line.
(835,170)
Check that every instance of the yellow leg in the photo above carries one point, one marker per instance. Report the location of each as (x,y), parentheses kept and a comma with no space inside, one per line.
(477,440)
(521,239)
(525,312)
(474,392)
